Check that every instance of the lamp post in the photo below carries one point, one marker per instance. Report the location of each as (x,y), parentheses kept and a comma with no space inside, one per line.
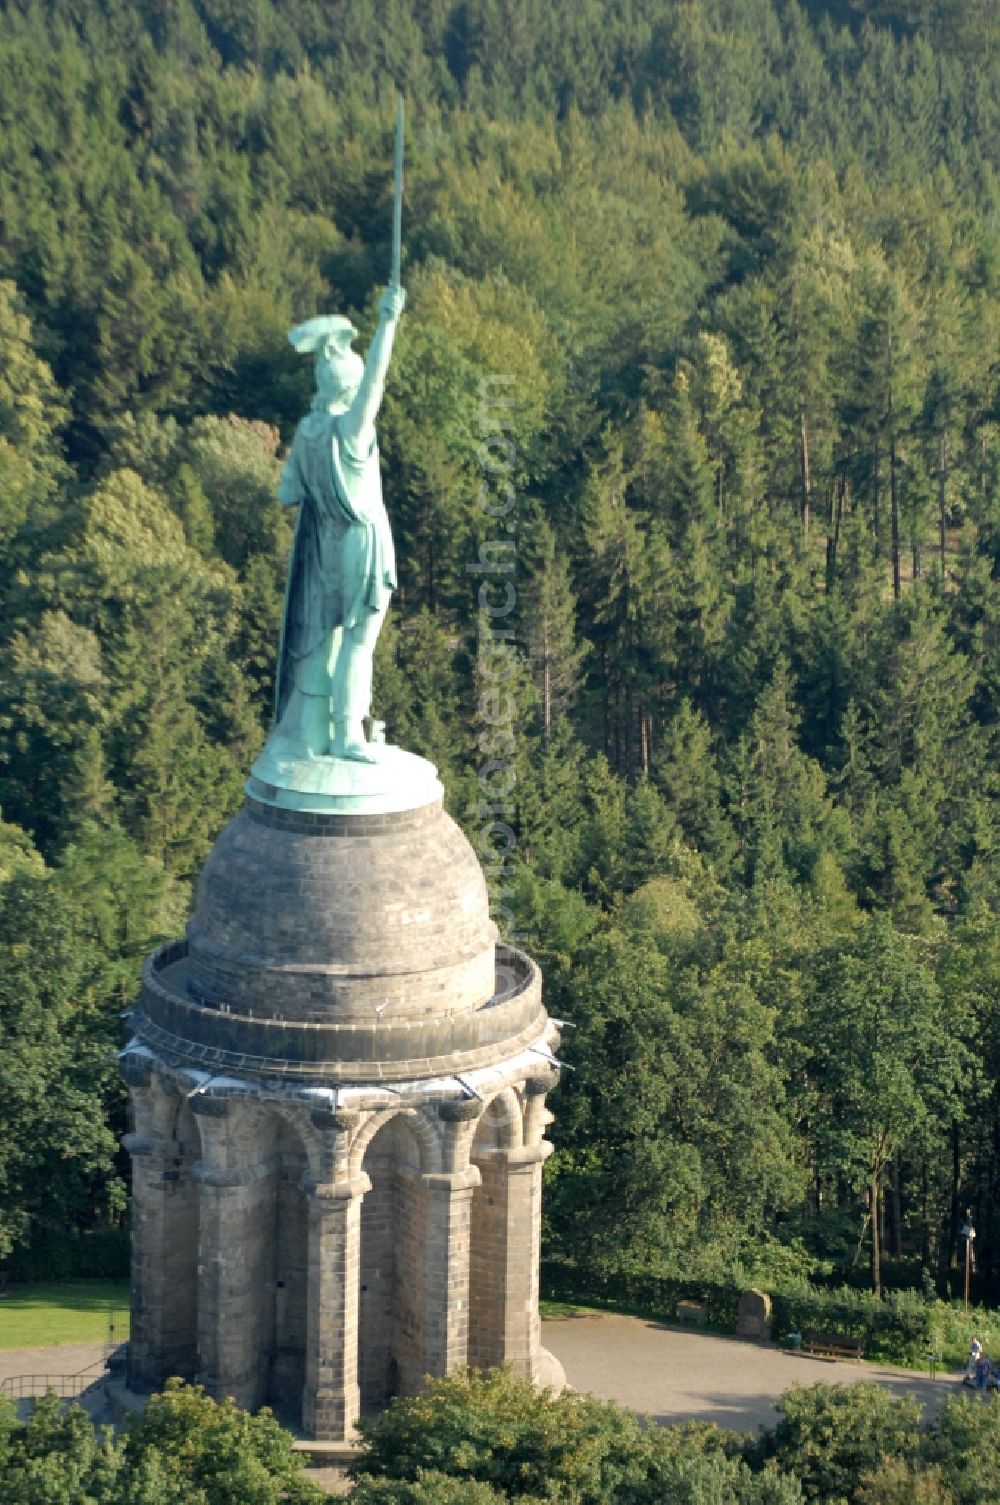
(969,1234)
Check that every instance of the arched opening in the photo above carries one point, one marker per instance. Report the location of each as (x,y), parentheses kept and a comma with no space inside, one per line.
(180,1316)
(498,1130)
(390,1318)
(286,1367)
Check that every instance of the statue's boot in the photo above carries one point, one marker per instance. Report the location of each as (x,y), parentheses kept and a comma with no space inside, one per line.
(349,741)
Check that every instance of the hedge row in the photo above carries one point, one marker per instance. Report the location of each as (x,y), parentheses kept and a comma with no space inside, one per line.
(896,1328)
(99,1254)
(656,1295)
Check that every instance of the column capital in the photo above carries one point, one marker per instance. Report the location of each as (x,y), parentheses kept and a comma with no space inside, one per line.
(453,1181)
(522,1157)
(223,1176)
(337,1193)
(140,1144)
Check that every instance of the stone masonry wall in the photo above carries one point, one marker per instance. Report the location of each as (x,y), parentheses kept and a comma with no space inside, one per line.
(487,1264)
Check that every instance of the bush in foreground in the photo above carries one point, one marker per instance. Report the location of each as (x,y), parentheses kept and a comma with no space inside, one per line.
(184,1450)
(503,1440)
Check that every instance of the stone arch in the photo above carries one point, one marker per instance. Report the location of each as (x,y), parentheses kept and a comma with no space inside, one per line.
(392,1150)
(501,1124)
(295,1118)
(425,1131)
(492,1228)
(281,1303)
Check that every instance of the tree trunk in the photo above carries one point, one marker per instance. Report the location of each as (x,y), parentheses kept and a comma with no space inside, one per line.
(877,498)
(833,540)
(894,519)
(955,1211)
(897,1209)
(876,1246)
(546,686)
(806,475)
(942,495)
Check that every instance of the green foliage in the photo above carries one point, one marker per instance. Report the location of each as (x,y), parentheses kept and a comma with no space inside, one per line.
(830,1436)
(58,1028)
(506,1441)
(964,1444)
(479,1439)
(703,321)
(430,1487)
(216,1452)
(183,1450)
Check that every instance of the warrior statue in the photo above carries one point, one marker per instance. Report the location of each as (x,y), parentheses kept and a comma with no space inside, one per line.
(343,569)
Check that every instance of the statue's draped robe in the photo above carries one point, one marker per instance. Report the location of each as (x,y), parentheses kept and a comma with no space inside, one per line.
(343,563)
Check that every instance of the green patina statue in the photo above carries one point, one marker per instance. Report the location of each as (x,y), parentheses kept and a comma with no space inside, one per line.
(323,752)
(343,567)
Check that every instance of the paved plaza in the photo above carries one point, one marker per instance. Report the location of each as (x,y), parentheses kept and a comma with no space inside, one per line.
(675,1375)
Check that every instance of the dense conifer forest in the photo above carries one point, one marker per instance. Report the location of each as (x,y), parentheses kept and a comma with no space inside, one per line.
(702,339)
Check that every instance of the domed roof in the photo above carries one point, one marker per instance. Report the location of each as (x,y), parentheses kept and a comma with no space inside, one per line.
(318,917)
(355,948)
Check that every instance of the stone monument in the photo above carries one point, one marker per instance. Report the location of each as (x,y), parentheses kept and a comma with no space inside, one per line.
(338,1077)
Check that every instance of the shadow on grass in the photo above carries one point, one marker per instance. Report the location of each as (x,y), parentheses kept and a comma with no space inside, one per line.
(66,1296)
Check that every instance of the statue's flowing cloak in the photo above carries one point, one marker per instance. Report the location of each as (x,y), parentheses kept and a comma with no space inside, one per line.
(343,562)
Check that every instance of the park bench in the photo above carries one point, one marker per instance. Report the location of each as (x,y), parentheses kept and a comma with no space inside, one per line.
(832,1346)
(693,1312)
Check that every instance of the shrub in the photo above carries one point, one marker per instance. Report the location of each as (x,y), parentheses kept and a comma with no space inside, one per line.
(428,1488)
(831,1436)
(635,1290)
(101,1253)
(964,1443)
(953,1329)
(895,1328)
(897,1482)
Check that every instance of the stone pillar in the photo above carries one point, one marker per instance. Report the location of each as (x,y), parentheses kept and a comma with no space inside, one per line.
(506,1237)
(523,1329)
(448,1199)
(331,1401)
(235,1297)
(164,1212)
(447,1204)
(522,1326)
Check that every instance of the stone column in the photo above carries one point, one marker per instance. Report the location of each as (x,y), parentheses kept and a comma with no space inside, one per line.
(447,1206)
(448,1199)
(163,1333)
(522,1326)
(235,1303)
(331,1401)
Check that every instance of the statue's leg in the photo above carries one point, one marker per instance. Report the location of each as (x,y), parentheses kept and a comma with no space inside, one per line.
(352,688)
(305,722)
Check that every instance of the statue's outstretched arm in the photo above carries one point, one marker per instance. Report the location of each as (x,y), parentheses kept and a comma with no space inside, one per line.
(358,423)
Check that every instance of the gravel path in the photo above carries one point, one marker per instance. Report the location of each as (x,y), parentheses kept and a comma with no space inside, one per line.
(677,1375)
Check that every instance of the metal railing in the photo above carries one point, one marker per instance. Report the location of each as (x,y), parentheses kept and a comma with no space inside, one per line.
(68,1386)
(33,1386)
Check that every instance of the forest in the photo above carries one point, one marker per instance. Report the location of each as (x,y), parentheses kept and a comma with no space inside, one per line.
(691,448)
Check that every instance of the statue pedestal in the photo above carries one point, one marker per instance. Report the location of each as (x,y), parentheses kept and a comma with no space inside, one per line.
(397,781)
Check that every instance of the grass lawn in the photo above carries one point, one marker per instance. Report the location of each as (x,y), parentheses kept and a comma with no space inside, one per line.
(65,1311)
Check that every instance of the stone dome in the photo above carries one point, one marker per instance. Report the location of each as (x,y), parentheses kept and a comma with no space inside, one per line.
(341,947)
(312,917)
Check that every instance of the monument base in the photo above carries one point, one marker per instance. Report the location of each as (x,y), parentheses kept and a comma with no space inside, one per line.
(394,782)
